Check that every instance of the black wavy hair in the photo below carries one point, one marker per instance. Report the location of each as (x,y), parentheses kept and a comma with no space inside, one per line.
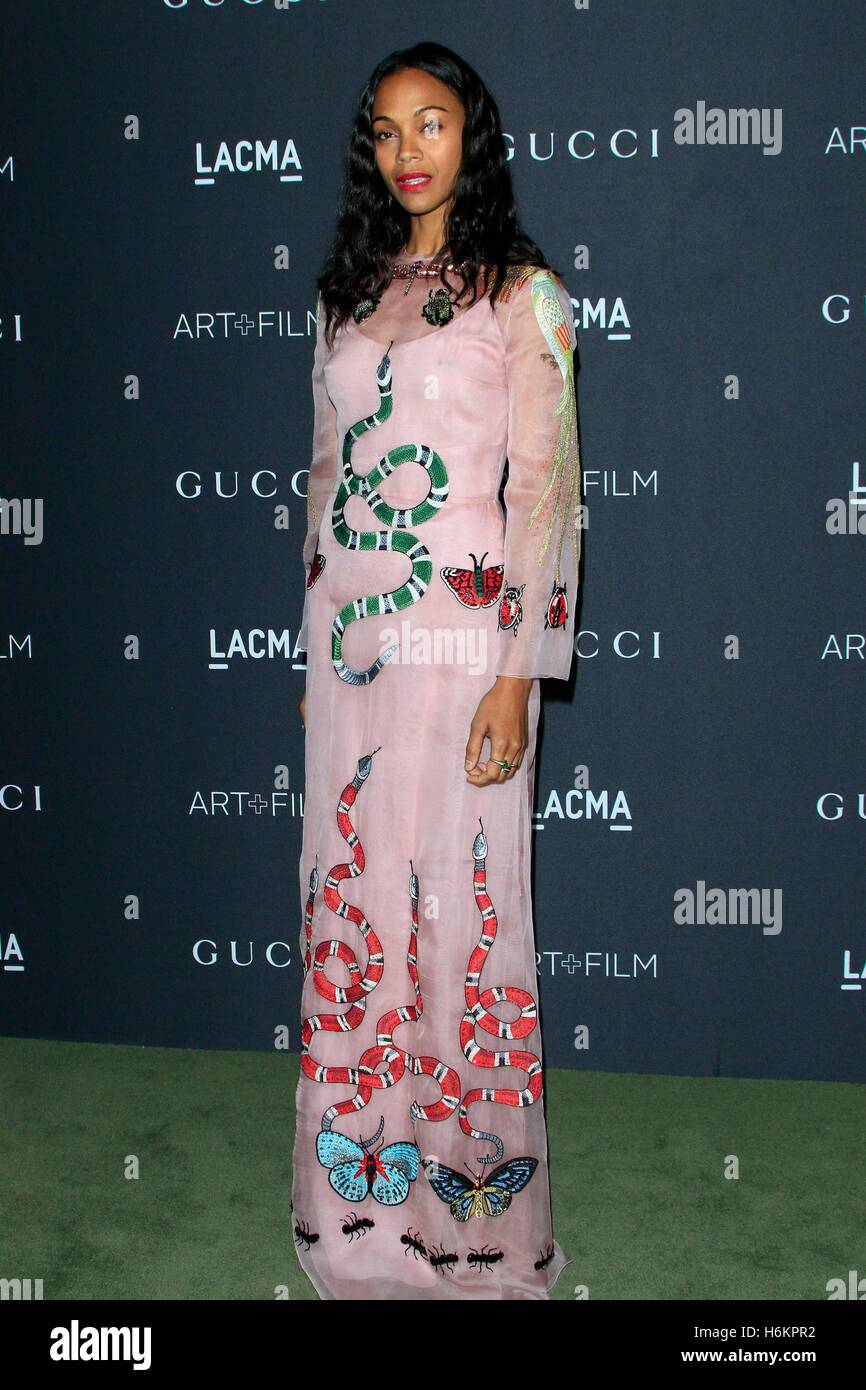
(482,230)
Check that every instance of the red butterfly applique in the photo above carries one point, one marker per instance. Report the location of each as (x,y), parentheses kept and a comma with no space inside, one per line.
(475,588)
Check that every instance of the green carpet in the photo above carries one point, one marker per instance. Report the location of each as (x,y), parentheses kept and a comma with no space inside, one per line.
(640,1197)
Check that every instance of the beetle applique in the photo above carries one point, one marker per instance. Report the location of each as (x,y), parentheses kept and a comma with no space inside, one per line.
(557,608)
(511,609)
(438,310)
(315,569)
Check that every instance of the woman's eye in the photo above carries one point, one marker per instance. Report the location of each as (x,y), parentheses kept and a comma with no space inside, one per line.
(431,126)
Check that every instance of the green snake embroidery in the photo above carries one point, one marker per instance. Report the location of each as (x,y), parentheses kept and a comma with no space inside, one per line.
(399,539)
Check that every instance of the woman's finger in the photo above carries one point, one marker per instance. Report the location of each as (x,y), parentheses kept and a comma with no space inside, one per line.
(502,750)
(473,747)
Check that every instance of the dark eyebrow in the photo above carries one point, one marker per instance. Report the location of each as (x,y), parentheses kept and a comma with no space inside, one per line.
(416,112)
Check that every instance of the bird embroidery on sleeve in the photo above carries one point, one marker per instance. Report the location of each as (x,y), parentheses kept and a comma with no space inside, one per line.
(560,500)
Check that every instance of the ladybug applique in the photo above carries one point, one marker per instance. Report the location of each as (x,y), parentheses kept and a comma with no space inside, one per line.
(315,569)
(557,608)
(511,609)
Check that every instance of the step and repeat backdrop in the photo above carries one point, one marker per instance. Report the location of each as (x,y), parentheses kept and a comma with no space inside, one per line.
(168,178)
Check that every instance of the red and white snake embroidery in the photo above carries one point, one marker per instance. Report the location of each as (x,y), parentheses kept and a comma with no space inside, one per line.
(478,1015)
(396,1059)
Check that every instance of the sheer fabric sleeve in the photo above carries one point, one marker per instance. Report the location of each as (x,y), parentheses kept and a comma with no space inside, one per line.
(323,462)
(543,488)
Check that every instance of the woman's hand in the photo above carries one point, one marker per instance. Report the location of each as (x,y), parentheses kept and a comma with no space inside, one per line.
(502,717)
(303,709)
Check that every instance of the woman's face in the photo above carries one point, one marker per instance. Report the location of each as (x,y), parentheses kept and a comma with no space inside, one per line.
(418,130)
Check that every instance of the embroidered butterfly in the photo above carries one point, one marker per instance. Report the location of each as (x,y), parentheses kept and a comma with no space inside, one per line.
(315,569)
(475,588)
(357,1172)
(479,1196)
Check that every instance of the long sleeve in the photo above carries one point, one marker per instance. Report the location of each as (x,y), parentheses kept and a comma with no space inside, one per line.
(543,487)
(323,461)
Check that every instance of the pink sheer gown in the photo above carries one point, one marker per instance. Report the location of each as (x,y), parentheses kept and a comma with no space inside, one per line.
(420,1163)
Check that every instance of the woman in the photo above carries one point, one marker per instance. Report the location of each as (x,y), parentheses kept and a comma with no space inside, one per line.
(444,343)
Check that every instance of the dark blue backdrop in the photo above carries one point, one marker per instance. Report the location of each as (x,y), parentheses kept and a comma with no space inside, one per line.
(156,348)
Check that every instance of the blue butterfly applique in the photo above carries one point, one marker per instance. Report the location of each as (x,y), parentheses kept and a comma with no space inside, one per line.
(356,1171)
(479,1196)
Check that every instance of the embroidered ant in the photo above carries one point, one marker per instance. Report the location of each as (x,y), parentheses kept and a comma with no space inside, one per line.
(416,1246)
(304,1234)
(484,1258)
(441,1261)
(545,1259)
(356,1226)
